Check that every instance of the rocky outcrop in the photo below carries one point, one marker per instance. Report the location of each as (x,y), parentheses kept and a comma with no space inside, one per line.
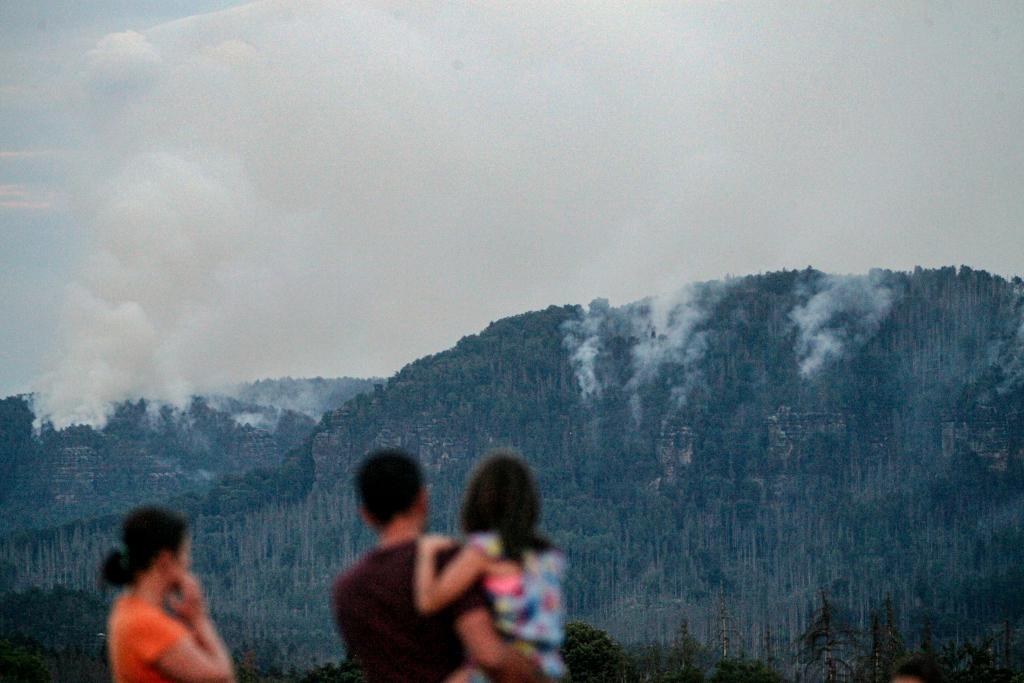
(333,447)
(432,440)
(436,445)
(790,431)
(986,435)
(674,448)
(74,475)
(253,448)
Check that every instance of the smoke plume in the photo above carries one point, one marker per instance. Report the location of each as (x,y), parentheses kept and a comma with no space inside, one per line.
(841,313)
(1010,356)
(668,333)
(665,331)
(583,340)
(337,188)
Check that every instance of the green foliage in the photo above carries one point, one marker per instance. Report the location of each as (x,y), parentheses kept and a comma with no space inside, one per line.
(687,653)
(16,445)
(684,675)
(974,663)
(744,671)
(655,662)
(346,672)
(56,618)
(592,656)
(142,455)
(21,665)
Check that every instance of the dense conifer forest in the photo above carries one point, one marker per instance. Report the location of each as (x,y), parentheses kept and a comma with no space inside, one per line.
(791,465)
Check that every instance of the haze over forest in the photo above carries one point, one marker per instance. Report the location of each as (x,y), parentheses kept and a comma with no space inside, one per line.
(727,454)
(312,188)
(243,243)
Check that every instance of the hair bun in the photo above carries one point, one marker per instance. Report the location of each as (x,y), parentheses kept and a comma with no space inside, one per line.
(115,569)
(145,533)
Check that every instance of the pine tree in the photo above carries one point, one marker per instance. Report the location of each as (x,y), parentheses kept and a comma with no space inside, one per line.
(768,650)
(892,640)
(686,650)
(1007,645)
(926,636)
(875,669)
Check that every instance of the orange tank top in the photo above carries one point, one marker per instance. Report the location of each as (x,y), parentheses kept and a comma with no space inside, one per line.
(138,634)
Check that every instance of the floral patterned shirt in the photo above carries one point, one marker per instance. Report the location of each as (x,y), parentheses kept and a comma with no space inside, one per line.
(528,607)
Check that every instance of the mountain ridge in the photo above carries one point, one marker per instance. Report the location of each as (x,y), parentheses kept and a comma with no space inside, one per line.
(895,467)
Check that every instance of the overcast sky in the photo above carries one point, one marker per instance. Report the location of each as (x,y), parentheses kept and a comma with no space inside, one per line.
(194,193)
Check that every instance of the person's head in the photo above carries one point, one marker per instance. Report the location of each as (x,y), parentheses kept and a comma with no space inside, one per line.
(502,497)
(390,487)
(153,541)
(917,669)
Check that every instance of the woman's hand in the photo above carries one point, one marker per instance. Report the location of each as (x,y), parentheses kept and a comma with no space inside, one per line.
(190,606)
(203,658)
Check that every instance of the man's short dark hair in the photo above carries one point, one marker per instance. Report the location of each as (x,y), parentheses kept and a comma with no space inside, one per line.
(388,482)
(919,666)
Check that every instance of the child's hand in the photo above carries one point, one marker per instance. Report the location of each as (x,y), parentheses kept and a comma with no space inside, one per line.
(435,591)
(434,543)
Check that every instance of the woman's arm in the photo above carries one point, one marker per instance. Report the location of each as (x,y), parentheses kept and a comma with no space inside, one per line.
(435,591)
(203,658)
(188,662)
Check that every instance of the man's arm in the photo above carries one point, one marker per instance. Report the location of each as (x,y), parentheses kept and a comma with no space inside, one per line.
(500,662)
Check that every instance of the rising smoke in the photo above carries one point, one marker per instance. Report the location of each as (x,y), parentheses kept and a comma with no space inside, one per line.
(1010,357)
(338,188)
(171,236)
(670,336)
(309,396)
(668,332)
(664,330)
(840,314)
(583,340)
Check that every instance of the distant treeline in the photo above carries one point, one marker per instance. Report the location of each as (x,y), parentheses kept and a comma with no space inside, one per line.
(57,636)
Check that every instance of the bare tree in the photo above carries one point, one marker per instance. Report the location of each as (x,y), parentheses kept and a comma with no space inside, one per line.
(826,645)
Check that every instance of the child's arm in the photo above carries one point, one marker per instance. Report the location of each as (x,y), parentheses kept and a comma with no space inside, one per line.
(435,591)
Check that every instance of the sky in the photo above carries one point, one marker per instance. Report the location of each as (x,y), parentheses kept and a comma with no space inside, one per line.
(198,193)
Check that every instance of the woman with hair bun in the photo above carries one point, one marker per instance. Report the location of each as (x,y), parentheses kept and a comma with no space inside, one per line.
(159,630)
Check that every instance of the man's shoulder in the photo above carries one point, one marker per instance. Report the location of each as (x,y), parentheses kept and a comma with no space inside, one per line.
(343,581)
(349,580)
(372,566)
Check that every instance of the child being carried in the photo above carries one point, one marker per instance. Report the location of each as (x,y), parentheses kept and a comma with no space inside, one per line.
(521,572)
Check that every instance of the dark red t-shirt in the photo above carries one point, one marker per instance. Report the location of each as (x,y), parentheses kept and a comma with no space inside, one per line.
(376,614)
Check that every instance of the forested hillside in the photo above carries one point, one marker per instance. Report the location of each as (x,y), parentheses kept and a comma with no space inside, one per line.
(147,452)
(720,455)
